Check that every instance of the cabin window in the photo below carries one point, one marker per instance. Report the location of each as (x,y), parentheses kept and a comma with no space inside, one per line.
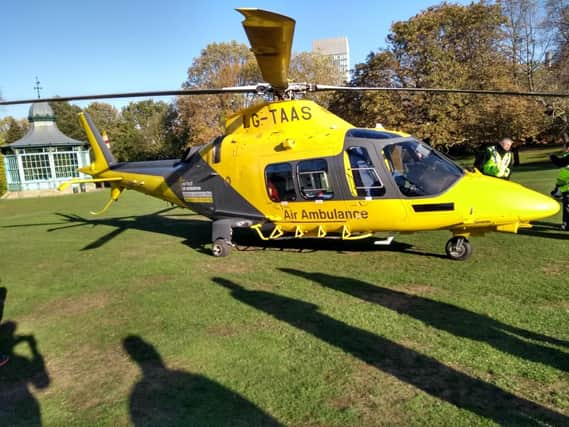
(280,185)
(313,179)
(362,177)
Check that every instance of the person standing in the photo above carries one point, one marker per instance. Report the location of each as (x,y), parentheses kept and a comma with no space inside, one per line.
(562,183)
(498,159)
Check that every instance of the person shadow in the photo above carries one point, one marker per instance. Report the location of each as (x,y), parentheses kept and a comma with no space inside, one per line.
(166,397)
(452,319)
(412,367)
(18,406)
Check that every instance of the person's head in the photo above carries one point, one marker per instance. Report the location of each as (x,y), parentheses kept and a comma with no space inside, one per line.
(506,144)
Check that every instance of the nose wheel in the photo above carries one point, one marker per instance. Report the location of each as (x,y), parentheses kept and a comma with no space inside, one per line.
(458,248)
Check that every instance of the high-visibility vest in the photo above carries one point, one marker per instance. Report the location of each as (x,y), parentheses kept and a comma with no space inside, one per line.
(563,177)
(496,164)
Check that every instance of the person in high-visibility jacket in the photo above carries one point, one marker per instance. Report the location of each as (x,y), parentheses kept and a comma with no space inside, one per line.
(562,183)
(498,159)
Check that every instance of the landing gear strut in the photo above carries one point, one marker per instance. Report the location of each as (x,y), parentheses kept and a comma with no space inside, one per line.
(458,248)
(221,232)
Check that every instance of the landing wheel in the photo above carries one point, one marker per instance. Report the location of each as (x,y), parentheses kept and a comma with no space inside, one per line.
(458,248)
(221,247)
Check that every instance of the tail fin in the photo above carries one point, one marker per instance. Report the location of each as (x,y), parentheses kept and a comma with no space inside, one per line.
(102,157)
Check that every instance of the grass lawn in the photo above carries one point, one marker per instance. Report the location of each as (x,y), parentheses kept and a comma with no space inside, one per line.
(126,319)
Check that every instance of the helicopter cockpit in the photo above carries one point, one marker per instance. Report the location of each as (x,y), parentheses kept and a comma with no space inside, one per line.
(419,170)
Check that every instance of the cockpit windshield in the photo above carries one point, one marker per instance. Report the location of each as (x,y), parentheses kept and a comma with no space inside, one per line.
(419,170)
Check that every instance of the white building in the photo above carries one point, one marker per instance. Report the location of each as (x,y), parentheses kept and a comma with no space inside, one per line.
(338,49)
(44,157)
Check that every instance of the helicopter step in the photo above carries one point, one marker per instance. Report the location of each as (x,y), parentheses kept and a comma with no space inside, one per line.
(384,242)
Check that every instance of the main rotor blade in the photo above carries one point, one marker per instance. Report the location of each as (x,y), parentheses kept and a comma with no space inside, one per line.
(182,92)
(270,36)
(322,88)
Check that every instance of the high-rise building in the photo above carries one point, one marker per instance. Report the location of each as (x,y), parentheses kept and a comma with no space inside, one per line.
(338,49)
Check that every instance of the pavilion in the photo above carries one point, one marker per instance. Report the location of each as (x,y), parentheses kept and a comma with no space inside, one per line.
(45,157)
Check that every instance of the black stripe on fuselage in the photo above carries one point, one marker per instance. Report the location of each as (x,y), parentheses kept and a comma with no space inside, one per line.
(434,207)
(155,167)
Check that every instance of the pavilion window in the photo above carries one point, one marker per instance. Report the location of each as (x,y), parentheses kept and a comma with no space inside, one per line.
(36,167)
(66,165)
(12,169)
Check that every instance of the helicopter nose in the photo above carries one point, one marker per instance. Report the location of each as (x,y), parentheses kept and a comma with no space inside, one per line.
(515,202)
(534,205)
(498,201)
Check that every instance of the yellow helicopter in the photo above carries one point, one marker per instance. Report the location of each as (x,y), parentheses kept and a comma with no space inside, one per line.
(291,169)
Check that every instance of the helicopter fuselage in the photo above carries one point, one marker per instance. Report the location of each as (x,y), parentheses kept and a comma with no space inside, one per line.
(293,168)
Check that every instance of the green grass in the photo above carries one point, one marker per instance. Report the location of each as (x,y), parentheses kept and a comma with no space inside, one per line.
(135,323)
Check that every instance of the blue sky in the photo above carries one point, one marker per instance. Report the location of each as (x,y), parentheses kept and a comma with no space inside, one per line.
(102,46)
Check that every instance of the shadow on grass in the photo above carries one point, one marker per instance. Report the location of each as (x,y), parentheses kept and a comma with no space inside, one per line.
(450,318)
(197,234)
(561,235)
(172,397)
(248,240)
(18,406)
(546,230)
(419,370)
(544,225)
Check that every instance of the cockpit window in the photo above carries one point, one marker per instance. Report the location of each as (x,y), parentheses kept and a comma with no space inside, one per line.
(418,170)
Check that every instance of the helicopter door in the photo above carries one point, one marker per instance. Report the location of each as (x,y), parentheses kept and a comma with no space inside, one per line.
(370,188)
(361,174)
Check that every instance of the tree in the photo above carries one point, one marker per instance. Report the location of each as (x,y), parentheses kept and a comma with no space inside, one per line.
(202,118)
(526,40)
(11,129)
(219,65)
(554,76)
(314,68)
(368,109)
(175,138)
(67,119)
(146,132)
(105,116)
(448,46)
(557,18)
